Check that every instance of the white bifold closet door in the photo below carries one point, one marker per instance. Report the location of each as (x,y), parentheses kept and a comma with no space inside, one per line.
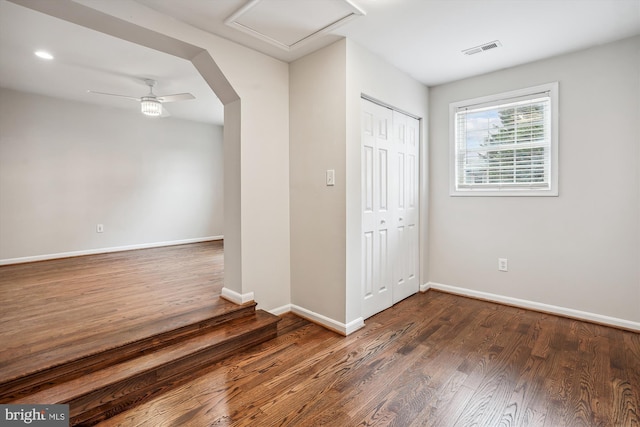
(390,207)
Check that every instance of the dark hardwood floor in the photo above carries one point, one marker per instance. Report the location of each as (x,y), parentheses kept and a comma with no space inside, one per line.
(53,311)
(434,359)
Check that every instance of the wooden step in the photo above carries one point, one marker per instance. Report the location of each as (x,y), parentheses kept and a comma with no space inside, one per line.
(24,376)
(111,389)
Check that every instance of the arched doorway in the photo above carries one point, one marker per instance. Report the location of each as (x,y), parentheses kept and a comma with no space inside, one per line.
(204,63)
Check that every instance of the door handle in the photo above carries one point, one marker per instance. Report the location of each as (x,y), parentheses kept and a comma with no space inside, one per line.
(400,219)
(383,222)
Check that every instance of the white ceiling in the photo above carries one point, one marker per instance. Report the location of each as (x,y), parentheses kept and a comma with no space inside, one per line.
(424,38)
(89,60)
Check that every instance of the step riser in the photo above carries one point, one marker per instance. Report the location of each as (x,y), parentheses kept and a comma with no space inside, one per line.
(100,385)
(90,409)
(27,385)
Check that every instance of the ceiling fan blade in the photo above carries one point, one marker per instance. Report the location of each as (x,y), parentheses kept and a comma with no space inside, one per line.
(176,97)
(114,94)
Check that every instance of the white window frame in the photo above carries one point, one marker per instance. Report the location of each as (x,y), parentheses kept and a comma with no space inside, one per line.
(495,100)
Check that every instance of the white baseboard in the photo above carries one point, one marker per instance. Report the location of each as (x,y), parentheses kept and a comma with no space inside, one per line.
(324,321)
(106,250)
(425,287)
(280,310)
(537,306)
(235,297)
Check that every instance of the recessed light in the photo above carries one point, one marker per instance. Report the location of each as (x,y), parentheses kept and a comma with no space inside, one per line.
(43,54)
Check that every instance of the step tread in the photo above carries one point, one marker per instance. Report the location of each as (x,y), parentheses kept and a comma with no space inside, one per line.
(69,390)
(41,361)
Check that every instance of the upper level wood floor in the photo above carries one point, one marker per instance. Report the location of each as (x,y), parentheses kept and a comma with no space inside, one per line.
(56,310)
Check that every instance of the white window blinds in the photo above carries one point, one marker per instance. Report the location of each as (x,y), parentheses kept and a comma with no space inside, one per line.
(504,143)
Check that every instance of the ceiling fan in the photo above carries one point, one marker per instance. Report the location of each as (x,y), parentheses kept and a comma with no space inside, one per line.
(151,104)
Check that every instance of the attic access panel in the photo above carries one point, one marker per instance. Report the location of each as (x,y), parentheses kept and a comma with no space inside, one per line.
(289,24)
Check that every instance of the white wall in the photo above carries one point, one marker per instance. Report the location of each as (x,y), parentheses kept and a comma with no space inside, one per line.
(67,166)
(325,91)
(318,215)
(580,250)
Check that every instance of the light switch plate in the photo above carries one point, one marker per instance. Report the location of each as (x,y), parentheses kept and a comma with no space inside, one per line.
(331,177)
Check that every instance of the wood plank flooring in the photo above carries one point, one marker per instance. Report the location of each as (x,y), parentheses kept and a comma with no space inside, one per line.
(53,311)
(434,359)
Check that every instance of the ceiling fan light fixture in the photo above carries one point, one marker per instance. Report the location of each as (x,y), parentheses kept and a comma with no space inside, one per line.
(151,107)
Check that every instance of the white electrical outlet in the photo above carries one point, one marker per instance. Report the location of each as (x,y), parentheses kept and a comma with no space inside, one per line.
(503,264)
(99,228)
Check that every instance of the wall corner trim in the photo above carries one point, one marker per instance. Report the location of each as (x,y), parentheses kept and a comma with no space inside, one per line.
(425,287)
(235,297)
(280,310)
(537,306)
(326,322)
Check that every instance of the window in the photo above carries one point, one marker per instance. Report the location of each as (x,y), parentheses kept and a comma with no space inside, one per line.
(506,144)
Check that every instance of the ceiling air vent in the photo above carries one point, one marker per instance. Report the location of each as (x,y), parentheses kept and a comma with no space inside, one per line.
(487,46)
